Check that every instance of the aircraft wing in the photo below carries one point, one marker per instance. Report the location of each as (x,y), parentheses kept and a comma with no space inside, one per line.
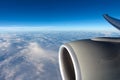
(115,22)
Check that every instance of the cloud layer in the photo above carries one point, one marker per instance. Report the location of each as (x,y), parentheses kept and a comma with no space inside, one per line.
(34,56)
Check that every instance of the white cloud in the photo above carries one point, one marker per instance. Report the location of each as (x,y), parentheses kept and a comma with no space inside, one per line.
(35,52)
(36,61)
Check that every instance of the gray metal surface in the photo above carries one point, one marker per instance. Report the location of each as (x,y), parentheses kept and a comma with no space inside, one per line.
(90,60)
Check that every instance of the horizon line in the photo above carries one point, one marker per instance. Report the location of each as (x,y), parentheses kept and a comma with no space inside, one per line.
(53,28)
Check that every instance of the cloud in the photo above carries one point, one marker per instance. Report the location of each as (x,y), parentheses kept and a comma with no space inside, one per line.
(35,52)
(33,61)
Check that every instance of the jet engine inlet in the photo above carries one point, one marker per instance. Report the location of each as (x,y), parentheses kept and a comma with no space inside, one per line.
(67,63)
(69,66)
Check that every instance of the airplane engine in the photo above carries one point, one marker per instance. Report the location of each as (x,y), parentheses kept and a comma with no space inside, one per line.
(90,59)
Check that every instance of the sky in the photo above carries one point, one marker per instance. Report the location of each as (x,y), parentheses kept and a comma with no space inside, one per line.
(58,14)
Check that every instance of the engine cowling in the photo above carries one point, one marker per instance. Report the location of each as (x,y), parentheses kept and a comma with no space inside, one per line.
(90,59)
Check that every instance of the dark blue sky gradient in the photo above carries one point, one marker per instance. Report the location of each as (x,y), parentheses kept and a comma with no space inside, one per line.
(57,12)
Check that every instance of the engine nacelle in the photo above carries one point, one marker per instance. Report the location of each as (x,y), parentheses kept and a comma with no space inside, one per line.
(90,59)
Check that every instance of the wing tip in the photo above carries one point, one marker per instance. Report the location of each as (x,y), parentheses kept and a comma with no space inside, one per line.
(105,15)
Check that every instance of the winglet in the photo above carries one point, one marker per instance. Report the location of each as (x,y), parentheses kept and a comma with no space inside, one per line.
(115,22)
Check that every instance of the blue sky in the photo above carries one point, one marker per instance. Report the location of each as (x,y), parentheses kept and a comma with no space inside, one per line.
(65,14)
